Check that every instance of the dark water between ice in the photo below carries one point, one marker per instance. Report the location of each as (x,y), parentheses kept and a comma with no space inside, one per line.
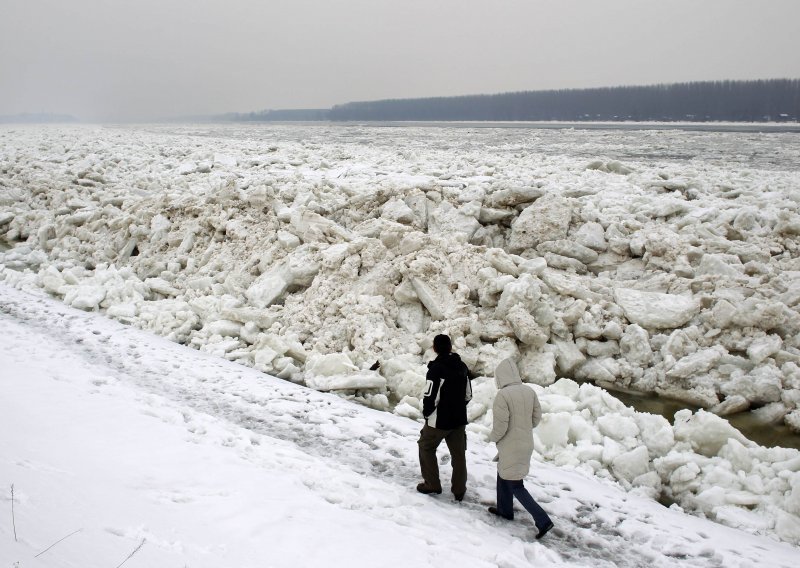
(767,435)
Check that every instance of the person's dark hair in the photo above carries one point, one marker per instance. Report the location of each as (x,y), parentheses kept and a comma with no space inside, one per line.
(442,344)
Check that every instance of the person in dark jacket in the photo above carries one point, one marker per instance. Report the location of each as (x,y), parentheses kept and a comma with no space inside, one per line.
(444,406)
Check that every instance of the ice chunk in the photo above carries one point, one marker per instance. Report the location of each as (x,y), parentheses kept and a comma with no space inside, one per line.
(759,313)
(710,498)
(696,363)
(225,328)
(557,403)
(546,220)
(553,430)
(396,210)
(502,261)
(792,420)
(51,279)
(706,432)
(654,310)
(269,287)
(618,427)
(511,197)
(635,345)
(336,371)
(656,433)
(718,265)
(404,408)
(761,386)
(788,526)
(591,235)
(351,381)
(538,367)
(161,286)
(568,248)
(534,266)
(737,454)
(632,464)
(731,405)
(449,220)
(524,291)
(764,347)
(683,475)
(330,364)
(568,356)
(85,296)
(525,327)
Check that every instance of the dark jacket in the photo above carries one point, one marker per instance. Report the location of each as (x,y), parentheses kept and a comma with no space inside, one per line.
(447,392)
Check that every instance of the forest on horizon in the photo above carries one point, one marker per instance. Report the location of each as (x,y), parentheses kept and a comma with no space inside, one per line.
(765,100)
(769,100)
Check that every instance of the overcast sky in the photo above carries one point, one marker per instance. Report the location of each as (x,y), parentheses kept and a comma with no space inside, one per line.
(145,59)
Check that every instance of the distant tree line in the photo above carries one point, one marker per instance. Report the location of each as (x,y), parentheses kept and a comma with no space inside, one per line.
(752,101)
(302,114)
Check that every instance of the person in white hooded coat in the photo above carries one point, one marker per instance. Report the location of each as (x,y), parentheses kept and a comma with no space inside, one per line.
(516,413)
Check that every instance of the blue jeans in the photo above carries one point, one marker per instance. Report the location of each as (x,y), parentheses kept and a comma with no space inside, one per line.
(507,490)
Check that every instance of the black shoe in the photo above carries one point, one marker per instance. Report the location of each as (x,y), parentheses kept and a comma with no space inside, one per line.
(458,496)
(427,489)
(494,511)
(544,530)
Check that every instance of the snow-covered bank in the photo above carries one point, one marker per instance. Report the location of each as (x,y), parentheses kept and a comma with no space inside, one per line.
(312,252)
(132,440)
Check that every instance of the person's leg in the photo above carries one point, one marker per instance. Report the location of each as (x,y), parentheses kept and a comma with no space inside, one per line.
(505,499)
(457,444)
(429,441)
(540,517)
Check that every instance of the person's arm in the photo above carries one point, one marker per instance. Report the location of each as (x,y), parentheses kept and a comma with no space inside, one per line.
(429,399)
(537,411)
(500,419)
(468,388)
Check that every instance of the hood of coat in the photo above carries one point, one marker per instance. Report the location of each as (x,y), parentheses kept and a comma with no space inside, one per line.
(506,374)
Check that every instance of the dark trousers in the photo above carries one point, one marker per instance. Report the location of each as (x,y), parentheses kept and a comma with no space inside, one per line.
(456,440)
(507,490)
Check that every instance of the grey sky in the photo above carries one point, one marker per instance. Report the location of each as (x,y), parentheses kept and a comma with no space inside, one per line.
(145,59)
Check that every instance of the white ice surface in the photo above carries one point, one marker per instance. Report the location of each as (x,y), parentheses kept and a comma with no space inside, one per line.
(139,443)
(658,261)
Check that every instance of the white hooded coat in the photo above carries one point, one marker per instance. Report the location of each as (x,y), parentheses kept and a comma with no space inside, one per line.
(516,412)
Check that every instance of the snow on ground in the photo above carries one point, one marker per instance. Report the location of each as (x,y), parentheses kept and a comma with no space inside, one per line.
(126,443)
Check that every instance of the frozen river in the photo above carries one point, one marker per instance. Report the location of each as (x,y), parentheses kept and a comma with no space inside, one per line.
(662,262)
(771,146)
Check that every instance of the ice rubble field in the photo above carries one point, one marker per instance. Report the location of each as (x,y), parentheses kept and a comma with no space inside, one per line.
(661,262)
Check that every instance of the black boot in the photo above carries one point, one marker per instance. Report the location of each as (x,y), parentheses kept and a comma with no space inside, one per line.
(544,530)
(428,489)
(495,511)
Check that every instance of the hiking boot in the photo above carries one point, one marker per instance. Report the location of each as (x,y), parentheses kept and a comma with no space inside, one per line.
(544,530)
(428,489)
(495,511)
(459,496)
